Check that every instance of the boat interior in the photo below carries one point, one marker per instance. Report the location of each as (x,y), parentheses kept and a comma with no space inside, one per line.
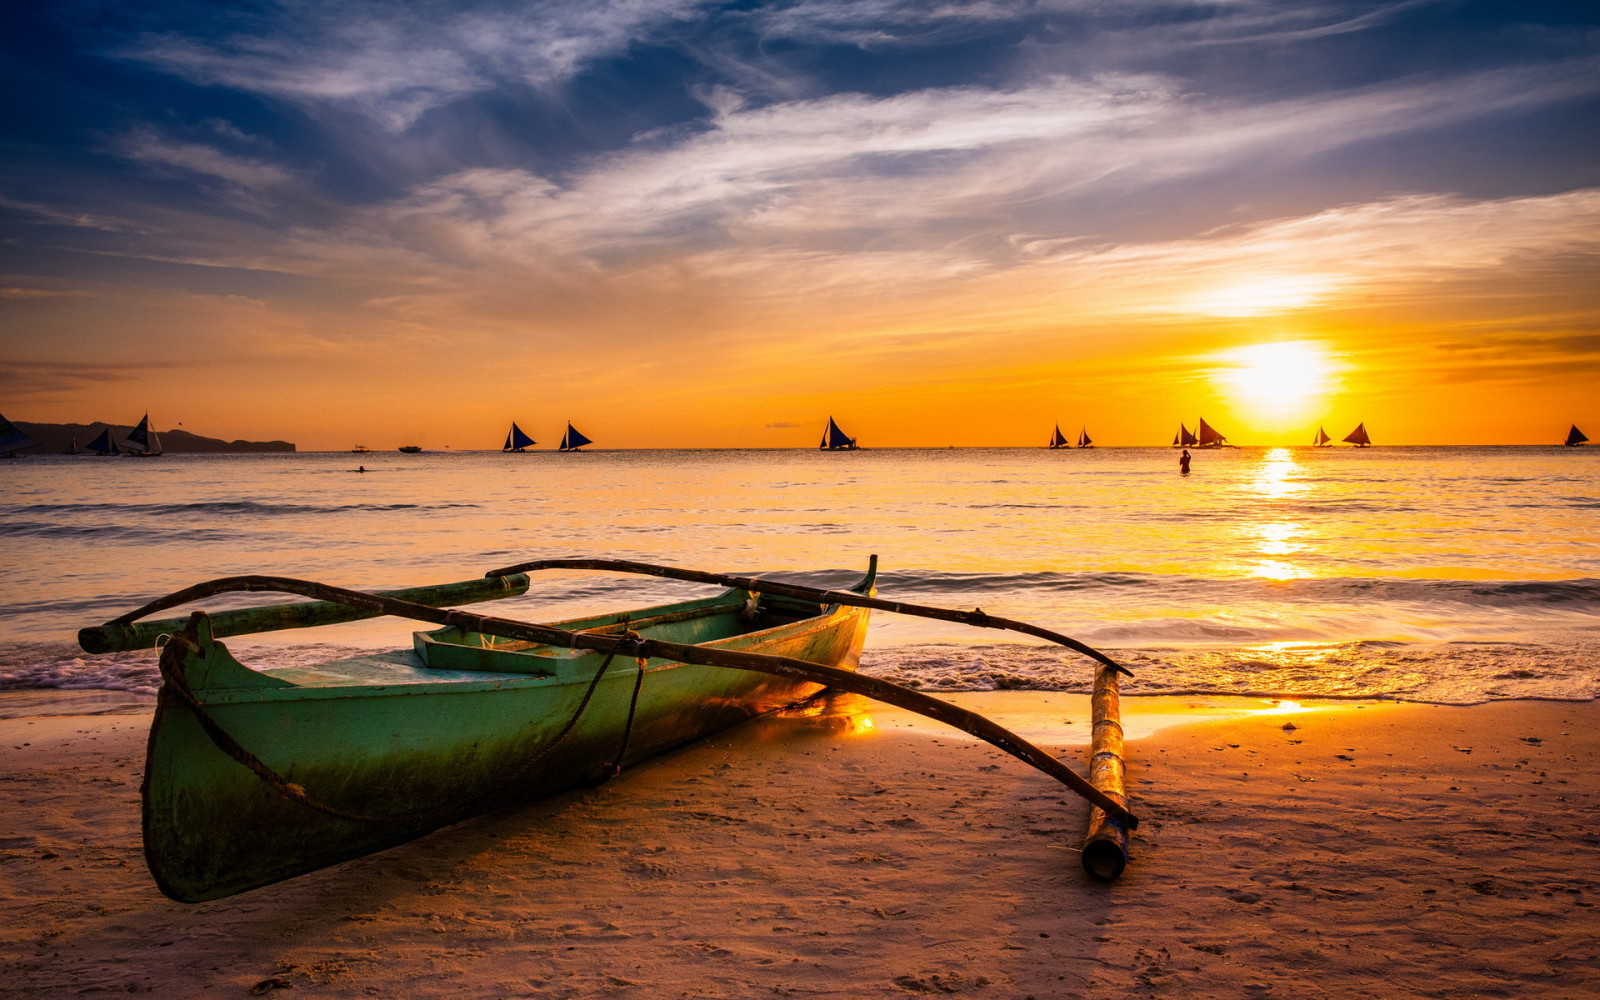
(708,620)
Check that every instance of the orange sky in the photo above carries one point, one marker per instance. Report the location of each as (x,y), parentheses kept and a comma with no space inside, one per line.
(264,236)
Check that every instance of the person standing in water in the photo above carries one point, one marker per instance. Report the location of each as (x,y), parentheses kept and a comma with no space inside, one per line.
(1183,462)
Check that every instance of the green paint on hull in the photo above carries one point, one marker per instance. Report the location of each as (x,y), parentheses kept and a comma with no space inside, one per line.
(430,739)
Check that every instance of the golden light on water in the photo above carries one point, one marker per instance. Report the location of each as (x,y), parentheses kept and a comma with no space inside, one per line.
(1278,539)
(1279,476)
(1282,708)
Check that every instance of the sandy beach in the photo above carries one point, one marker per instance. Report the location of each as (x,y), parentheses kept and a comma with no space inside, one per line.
(1346,850)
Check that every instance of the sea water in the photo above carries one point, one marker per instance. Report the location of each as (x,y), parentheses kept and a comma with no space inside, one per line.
(1454,575)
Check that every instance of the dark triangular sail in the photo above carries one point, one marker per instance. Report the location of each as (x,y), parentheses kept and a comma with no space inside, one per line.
(1209,437)
(1358,437)
(1575,437)
(834,439)
(11,439)
(573,439)
(516,440)
(1184,438)
(1084,441)
(104,444)
(142,440)
(1322,438)
(1058,439)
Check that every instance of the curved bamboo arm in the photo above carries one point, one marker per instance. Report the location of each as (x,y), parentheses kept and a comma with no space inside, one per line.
(975,618)
(782,666)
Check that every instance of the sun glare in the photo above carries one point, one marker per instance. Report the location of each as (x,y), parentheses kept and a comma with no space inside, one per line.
(1282,380)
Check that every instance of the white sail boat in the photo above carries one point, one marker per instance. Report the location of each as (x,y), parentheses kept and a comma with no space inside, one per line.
(1058,439)
(1574,437)
(1358,437)
(516,440)
(142,442)
(1322,440)
(835,439)
(573,439)
(1083,439)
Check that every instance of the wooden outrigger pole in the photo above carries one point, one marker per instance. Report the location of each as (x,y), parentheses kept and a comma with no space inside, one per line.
(1105,846)
(976,617)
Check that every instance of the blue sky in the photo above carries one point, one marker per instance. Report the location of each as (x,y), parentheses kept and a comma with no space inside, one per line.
(912,209)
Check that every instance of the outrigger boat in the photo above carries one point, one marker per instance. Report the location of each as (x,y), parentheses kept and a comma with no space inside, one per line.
(257,775)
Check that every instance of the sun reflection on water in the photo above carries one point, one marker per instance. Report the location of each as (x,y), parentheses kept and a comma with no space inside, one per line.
(1278,479)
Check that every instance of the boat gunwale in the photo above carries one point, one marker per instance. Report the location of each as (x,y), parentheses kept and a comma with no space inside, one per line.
(453,681)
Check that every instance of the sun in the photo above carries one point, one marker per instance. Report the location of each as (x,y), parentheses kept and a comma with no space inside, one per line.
(1282,380)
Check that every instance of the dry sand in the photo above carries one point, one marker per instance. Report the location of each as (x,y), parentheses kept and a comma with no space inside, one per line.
(1370,851)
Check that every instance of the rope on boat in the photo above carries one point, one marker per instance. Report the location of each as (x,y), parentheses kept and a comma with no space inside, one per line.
(781,666)
(176,686)
(976,618)
(615,767)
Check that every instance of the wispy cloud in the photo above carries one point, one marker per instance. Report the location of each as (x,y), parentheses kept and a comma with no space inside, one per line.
(145,146)
(396,62)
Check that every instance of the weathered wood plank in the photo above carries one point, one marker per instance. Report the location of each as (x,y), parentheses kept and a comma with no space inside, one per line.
(123,634)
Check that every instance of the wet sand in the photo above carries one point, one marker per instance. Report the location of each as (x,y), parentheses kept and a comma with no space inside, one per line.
(1344,851)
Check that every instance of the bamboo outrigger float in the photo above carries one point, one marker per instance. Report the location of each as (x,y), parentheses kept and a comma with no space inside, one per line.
(253,776)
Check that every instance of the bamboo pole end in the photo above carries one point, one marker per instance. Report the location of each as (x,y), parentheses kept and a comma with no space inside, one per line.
(1105,859)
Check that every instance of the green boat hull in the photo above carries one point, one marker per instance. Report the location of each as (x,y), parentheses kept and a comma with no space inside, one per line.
(394,745)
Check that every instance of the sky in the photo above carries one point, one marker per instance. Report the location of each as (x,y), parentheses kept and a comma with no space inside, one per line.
(695,224)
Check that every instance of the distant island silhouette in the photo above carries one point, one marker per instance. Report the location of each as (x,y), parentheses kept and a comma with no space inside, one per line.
(55,439)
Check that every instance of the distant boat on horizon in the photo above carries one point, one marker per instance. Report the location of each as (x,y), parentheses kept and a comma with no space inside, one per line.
(516,440)
(12,439)
(360,449)
(1083,439)
(103,444)
(142,442)
(1058,439)
(1358,437)
(1322,440)
(1575,437)
(1184,438)
(1209,436)
(573,439)
(410,449)
(834,439)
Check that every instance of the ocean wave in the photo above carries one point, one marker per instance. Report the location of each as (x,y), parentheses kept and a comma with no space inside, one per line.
(121,534)
(1453,673)
(251,508)
(1456,673)
(1212,592)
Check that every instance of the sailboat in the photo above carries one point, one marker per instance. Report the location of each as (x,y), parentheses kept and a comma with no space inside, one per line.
(1083,439)
(573,439)
(1574,437)
(1358,437)
(834,439)
(104,444)
(1184,438)
(1058,439)
(1322,440)
(516,440)
(142,442)
(12,440)
(1209,437)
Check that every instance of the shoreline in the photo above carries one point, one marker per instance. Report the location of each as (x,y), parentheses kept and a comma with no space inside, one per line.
(1371,850)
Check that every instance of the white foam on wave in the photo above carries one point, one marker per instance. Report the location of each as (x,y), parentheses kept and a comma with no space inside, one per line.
(1456,673)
